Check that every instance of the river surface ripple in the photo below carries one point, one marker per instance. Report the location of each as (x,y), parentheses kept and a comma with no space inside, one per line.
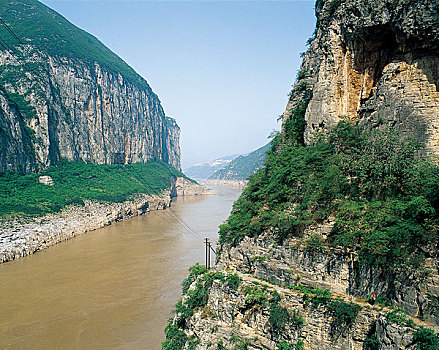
(113,288)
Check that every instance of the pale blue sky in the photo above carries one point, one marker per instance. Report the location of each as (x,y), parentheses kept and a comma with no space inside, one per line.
(222,69)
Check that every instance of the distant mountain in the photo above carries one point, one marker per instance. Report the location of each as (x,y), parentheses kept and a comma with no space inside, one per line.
(203,171)
(242,167)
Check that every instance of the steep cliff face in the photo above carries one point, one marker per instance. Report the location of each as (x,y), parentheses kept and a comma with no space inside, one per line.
(337,270)
(374,61)
(65,95)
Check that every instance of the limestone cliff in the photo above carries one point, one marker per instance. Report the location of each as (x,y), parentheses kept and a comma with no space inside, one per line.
(63,94)
(281,285)
(377,61)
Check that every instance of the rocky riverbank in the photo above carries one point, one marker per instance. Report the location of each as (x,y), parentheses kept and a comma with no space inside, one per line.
(24,236)
(233,183)
(185,187)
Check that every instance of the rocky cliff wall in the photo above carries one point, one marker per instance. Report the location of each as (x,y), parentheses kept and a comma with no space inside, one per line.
(373,61)
(54,107)
(230,320)
(338,270)
(253,313)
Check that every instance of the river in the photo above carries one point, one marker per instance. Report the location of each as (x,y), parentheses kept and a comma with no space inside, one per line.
(113,288)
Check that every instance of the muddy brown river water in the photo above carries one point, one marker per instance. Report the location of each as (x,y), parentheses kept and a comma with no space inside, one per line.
(112,288)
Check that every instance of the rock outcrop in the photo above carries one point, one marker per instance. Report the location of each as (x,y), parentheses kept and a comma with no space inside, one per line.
(234,322)
(87,104)
(185,187)
(373,61)
(292,298)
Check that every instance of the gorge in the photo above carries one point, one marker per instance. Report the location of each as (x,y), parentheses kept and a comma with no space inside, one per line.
(333,243)
(113,287)
(74,112)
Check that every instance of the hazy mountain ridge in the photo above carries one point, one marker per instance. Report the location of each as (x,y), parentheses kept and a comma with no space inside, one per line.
(203,171)
(243,166)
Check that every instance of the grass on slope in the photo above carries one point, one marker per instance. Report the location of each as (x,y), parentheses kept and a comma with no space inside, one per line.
(38,25)
(23,195)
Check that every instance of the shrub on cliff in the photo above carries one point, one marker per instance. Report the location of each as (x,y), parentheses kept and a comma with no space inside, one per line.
(195,299)
(233,281)
(283,345)
(426,339)
(175,338)
(383,193)
(344,314)
(194,271)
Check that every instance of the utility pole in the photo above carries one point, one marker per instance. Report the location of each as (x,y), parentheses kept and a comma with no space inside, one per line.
(208,254)
(213,250)
(208,249)
(206,242)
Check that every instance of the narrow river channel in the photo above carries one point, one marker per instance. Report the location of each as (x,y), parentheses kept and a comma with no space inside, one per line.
(113,288)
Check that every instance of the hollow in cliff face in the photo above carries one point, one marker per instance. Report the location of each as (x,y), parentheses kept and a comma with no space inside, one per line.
(378,63)
(360,67)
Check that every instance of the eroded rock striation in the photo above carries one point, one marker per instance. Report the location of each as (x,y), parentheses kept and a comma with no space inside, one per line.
(376,61)
(63,94)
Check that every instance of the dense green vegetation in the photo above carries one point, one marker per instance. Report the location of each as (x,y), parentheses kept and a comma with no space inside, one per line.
(383,194)
(242,167)
(312,296)
(256,296)
(23,195)
(233,281)
(283,345)
(426,339)
(344,314)
(38,25)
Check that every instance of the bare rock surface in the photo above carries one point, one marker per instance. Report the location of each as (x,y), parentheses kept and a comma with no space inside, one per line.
(373,61)
(338,270)
(185,187)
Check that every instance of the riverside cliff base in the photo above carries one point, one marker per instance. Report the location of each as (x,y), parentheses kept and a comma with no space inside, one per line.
(25,236)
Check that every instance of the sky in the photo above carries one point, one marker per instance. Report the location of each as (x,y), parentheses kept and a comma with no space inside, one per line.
(222,69)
